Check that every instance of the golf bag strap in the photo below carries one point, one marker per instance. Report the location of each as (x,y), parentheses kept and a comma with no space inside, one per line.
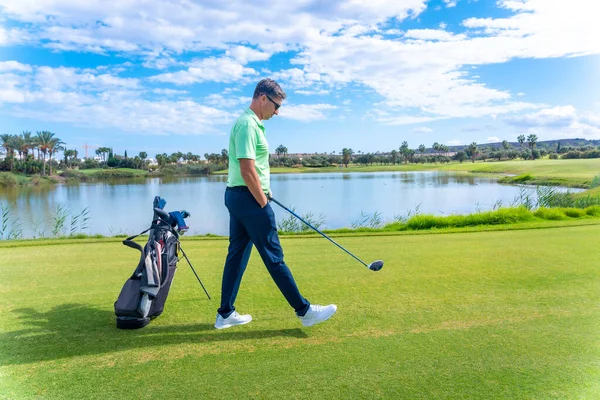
(130,243)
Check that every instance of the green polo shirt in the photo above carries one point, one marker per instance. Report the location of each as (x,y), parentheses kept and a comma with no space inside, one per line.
(248,140)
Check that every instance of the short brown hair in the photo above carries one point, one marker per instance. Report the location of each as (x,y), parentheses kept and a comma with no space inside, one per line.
(270,88)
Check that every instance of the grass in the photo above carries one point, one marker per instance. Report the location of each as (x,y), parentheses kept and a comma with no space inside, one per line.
(9,179)
(478,315)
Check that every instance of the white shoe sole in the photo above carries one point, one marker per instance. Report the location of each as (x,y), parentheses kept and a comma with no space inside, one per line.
(311,323)
(230,325)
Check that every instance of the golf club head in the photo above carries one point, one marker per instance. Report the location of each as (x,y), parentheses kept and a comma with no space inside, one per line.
(376,265)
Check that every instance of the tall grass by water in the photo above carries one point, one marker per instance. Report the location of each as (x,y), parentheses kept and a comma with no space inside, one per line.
(64,222)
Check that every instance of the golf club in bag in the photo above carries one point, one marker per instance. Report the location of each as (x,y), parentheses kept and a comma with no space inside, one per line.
(144,294)
(374,266)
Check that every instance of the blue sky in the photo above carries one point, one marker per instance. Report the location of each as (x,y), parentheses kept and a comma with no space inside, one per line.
(165,76)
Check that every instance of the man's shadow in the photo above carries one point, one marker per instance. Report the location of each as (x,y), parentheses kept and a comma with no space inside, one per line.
(70,330)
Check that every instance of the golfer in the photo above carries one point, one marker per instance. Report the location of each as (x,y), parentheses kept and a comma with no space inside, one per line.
(251,218)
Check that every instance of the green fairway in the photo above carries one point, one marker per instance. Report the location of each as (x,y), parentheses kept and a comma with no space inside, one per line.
(463,315)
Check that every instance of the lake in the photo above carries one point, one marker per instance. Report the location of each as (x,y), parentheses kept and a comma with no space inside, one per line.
(337,199)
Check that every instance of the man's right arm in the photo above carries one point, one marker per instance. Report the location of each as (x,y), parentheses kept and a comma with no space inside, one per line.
(251,180)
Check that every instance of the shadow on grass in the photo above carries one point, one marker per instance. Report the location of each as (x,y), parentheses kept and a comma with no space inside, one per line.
(71,330)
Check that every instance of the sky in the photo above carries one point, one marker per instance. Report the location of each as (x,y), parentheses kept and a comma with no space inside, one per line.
(173,75)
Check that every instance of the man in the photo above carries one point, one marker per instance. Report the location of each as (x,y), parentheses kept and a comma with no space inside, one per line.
(251,218)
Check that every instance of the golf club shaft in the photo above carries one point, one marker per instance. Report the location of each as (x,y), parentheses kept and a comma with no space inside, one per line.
(197,277)
(318,231)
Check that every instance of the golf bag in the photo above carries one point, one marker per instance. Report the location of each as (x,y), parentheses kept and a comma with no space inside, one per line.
(144,294)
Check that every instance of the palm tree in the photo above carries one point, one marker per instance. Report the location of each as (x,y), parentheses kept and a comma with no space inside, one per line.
(444,149)
(8,142)
(394,157)
(143,155)
(68,154)
(472,150)
(422,149)
(346,156)
(54,145)
(521,139)
(505,145)
(281,149)
(225,157)
(43,140)
(532,140)
(404,151)
(23,143)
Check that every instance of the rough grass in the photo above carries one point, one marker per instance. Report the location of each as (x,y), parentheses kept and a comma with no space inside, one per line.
(480,315)
(502,216)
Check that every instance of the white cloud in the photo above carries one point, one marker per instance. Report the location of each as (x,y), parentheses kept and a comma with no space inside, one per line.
(395,32)
(493,139)
(305,112)
(450,3)
(227,102)
(179,26)
(422,129)
(422,76)
(321,92)
(387,119)
(14,66)
(94,98)
(13,36)
(591,119)
(433,34)
(170,92)
(561,121)
(557,117)
(210,69)
(245,54)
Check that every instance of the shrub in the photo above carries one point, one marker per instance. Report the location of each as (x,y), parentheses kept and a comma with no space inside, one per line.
(7,179)
(69,173)
(570,155)
(497,217)
(114,173)
(595,182)
(89,163)
(574,212)
(553,214)
(593,211)
(522,178)
(426,221)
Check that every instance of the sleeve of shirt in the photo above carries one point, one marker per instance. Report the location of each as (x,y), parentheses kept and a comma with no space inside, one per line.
(245,142)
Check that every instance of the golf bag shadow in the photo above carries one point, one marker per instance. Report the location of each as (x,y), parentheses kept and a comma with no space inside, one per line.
(144,294)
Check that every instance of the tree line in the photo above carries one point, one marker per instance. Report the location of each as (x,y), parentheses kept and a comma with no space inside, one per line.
(29,154)
(37,154)
(527,148)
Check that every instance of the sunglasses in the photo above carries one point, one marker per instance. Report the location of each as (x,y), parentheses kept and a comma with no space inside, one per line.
(277,105)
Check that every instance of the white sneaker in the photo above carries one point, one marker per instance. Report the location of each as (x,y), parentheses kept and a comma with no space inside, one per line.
(316,314)
(233,320)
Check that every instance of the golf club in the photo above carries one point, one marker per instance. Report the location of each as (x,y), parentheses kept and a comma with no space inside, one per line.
(374,266)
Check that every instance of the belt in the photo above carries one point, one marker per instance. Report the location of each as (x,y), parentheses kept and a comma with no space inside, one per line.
(238,188)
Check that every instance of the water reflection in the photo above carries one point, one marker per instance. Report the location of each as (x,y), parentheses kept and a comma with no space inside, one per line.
(125,205)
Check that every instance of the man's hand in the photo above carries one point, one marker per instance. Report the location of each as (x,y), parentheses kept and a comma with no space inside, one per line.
(269,195)
(252,181)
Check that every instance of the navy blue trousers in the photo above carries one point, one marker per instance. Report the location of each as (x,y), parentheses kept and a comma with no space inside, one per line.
(250,224)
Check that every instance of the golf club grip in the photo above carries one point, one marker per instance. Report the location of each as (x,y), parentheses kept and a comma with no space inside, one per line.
(318,231)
